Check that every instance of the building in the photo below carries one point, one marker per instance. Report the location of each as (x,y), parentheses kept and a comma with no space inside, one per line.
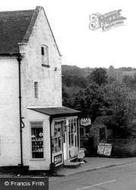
(85,126)
(36,130)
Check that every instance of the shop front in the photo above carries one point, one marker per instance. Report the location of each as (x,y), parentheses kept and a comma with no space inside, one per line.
(54,136)
(65,140)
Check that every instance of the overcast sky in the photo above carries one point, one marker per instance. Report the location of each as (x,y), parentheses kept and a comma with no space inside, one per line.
(79,45)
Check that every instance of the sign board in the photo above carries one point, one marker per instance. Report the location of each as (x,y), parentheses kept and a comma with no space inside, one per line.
(107,149)
(100,149)
(22,183)
(104,149)
(58,159)
(85,121)
(81,153)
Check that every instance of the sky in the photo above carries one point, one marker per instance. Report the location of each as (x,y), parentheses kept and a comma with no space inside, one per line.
(78,44)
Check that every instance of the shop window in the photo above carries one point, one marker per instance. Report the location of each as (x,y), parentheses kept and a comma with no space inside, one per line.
(36,89)
(57,137)
(37,140)
(45,55)
(72,132)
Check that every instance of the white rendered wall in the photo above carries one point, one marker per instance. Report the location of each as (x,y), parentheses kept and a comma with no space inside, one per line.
(9,114)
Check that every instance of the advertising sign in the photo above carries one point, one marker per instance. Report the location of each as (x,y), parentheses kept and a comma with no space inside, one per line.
(104,149)
(58,159)
(85,121)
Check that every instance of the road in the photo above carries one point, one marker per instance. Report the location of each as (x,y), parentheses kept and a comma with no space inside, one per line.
(114,178)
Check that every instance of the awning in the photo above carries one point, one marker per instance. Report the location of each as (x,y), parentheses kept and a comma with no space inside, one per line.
(57,111)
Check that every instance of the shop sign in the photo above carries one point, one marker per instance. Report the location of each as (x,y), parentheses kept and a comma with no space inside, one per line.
(104,149)
(85,121)
(58,159)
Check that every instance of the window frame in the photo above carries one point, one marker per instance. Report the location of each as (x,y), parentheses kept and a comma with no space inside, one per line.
(57,138)
(36,125)
(72,132)
(45,55)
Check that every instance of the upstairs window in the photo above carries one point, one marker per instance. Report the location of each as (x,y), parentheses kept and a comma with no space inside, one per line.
(45,55)
(42,51)
(36,89)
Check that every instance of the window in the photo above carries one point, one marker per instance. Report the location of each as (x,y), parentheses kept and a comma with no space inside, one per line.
(45,55)
(72,132)
(36,89)
(42,51)
(37,140)
(57,137)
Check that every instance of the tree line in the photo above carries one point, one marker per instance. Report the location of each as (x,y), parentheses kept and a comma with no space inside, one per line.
(98,94)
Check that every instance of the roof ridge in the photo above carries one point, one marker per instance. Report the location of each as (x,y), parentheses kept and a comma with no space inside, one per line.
(16,27)
(32,22)
(30,27)
(52,33)
(16,11)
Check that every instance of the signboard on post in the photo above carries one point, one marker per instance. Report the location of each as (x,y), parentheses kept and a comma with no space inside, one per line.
(104,149)
(85,121)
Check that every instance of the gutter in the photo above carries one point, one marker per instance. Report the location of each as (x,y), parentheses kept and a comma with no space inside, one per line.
(21,124)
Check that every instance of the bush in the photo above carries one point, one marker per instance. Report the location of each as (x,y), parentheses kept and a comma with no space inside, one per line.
(124,148)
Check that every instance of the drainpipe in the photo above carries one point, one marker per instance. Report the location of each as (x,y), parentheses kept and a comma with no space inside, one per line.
(50,141)
(19,58)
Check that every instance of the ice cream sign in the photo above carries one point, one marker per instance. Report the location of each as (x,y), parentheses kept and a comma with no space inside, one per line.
(85,121)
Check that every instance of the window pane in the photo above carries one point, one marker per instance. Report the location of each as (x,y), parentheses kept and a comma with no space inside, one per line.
(45,56)
(57,137)
(37,140)
(42,50)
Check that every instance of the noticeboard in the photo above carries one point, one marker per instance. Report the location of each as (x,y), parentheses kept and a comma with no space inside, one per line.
(104,149)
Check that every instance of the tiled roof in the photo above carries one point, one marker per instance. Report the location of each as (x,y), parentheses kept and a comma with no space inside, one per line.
(13,27)
(57,111)
(16,27)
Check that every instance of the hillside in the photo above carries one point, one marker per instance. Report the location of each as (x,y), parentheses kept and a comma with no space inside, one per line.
(75,78)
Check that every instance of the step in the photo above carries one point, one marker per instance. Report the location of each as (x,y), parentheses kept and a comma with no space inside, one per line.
(70,164)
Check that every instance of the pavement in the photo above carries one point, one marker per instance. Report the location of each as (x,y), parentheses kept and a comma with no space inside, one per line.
(106,177)
(94,163)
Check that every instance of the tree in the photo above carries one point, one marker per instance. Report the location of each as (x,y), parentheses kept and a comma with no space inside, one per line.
(90,101)
(119,107)
(130,81)
(99,76)
(102,98)
(109,100)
